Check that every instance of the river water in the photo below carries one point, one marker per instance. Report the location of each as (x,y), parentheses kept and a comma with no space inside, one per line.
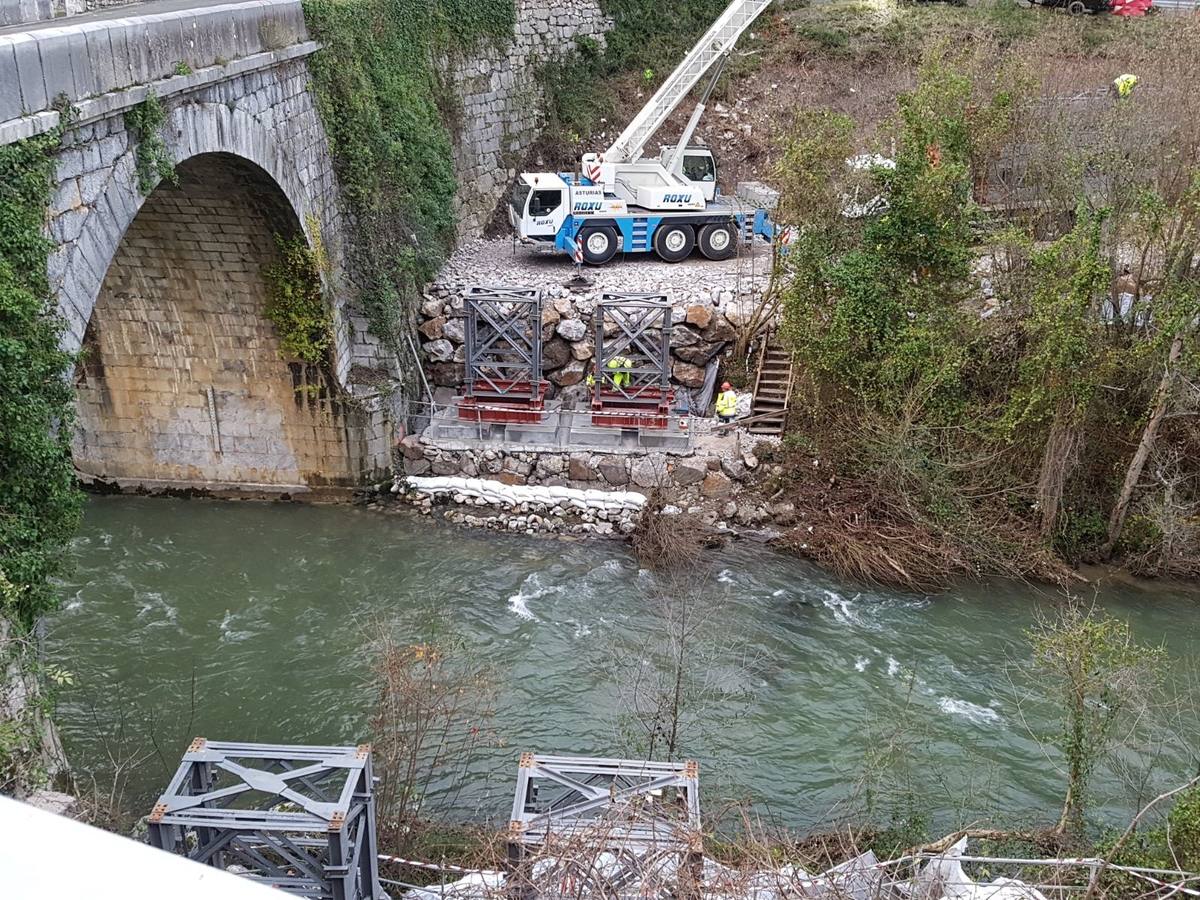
(254,621)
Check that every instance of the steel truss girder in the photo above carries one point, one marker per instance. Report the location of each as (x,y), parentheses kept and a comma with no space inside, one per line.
(642,334)
(503,343)
(300,818)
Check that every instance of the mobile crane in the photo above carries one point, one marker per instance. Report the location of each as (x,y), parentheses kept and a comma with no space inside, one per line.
(622,201)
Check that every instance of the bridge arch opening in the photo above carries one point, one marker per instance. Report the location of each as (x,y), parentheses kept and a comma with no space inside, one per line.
(181,380)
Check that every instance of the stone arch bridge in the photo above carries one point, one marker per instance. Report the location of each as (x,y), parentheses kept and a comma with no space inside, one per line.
(181,382)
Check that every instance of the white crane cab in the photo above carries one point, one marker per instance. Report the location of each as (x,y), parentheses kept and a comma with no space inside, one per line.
(697,165)
(539,205)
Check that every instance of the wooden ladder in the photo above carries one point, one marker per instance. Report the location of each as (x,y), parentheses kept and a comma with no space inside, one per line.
(772,388)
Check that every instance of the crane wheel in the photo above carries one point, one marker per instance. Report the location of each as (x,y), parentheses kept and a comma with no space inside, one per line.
(718,241)
(674,243)
(599,244)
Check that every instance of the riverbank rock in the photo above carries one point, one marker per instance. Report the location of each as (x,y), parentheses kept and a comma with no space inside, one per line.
(440,350)
(571,330)
(716,485)
(689,471)
(687,374)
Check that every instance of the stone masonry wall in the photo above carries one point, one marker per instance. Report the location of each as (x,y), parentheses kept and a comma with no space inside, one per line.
(265,120)
(501,100)
(715,481)
(181,379)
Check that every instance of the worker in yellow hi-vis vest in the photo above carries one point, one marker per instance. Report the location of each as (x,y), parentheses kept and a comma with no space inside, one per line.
(726,403)
(1125,85)
(620,371)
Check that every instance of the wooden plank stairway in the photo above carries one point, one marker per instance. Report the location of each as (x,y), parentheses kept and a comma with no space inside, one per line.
(772,388)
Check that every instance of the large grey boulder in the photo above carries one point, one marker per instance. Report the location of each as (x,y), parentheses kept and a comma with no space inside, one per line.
(440,350)
(614,470)
(572,329)
(699,353)
(687,374)
(648,472)
(571,373)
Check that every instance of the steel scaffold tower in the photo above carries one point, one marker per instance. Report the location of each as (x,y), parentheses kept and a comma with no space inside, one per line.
(298,818)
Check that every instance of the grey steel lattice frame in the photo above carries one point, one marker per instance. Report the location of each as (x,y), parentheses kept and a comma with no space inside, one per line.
(637,811)
(226,805)
(503,342)
(593,786)
(635,317)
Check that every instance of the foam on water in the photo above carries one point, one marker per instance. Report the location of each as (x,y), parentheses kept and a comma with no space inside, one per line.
(841,608)
(230,635)
(725,576)
(860,664)
(972,712)
(153,607)
(531,589)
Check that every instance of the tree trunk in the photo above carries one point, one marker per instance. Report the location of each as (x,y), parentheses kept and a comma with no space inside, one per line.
(1057,459)
(1158,409)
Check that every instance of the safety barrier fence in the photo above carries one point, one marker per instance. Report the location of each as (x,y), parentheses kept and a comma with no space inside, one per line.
(1070,876)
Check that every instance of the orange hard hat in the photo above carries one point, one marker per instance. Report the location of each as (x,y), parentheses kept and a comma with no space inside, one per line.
(727,386)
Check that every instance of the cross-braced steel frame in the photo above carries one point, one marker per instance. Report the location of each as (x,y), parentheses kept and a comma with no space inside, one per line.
(633,364)
(298,818)
(503,345)
(569,808)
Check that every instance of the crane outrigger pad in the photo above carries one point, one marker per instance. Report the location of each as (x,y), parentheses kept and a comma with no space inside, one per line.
(631,383)
(503,345)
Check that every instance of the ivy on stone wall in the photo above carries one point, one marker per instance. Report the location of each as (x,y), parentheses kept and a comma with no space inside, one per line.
(385,112)
(296,303)
(39,501)
(152,159)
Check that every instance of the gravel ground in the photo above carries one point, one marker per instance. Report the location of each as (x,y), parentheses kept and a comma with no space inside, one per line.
(695,280)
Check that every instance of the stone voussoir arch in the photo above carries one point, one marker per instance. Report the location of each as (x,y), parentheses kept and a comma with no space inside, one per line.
(284,140)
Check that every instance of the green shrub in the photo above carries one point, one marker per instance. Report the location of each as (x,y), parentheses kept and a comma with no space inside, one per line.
(1184,824)
(1080,533)
(649,37)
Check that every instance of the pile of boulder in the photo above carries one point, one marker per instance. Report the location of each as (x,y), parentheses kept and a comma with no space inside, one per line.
(709,302)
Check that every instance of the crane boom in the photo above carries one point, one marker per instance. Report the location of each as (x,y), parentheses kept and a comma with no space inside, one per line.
(718,41)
